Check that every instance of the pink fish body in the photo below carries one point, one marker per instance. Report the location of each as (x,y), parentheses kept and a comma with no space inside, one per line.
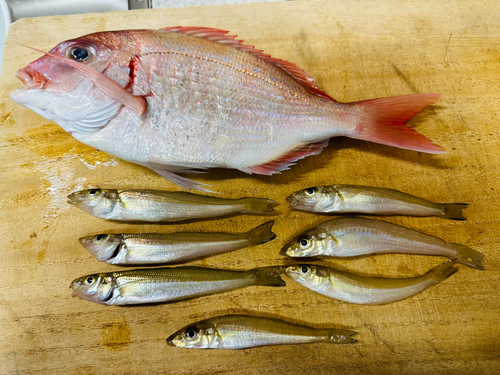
(180,100)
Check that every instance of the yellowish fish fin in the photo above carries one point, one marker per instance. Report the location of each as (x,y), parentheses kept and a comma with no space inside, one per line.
(443,271)
(469,257)
(268,276)
(257,205)
(453,211)
(261,234)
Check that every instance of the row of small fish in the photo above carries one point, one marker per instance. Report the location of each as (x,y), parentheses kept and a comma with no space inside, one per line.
(159,205)
(160,285)
(340,237)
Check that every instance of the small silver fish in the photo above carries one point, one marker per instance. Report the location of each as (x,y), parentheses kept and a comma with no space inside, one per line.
(355,236)
(370,200)
(353,288)
(158,285)
(154,248)
(159,205)
(244,331)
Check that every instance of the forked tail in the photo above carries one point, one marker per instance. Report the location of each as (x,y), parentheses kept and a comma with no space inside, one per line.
(469,257)
(453,211)
(268,276)
(384,121)
(261,234)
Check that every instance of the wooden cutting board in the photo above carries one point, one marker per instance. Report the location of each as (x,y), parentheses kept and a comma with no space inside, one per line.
(356,50)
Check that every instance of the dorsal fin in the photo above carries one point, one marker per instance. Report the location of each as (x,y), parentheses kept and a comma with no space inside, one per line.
(220,36)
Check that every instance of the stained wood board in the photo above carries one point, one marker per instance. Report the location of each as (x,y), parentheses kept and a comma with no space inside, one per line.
(356,50)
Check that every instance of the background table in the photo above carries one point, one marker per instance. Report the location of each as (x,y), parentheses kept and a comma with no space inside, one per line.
(356,50)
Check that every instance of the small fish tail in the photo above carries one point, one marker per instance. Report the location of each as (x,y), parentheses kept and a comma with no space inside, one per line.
(268,276)
(469,257)
(261,234)
(257,205)
(443,271)
(341,336)
(453,211)
(386,120)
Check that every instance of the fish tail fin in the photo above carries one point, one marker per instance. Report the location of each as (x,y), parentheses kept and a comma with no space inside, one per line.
(341,336)
(469,257)
(443,271)
(257,205)
(453,211)
(268,276)
(384,121)
(261,234)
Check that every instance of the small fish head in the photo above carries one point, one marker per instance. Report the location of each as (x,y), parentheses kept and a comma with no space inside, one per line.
(60,93)
(96,288)
(102,246)
(308,244)
(313,199)
(96,202)
(201,335)
(304,274)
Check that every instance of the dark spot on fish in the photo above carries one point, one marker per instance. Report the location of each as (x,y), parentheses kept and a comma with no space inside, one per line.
(116,336)
(33,235)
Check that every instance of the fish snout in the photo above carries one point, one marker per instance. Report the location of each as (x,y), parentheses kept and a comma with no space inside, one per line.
(170,339)
(31,77)
(284,250)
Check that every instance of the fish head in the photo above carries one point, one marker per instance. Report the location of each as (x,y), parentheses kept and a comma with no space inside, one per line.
(308,244)
(305,274)
(96,288)
(201,335)
(315,199)
(96,202)
(102,246)
(60,93)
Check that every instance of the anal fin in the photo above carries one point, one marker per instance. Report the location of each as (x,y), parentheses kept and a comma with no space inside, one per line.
(285,161)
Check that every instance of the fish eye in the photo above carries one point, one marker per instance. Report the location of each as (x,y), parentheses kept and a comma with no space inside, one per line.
(92,193)
(305,270)
(99,237)
(89,280)
(303,241)
(78,53)
(191,333)
(311,191)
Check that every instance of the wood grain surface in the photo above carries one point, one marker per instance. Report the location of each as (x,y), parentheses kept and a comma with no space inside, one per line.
(356,50)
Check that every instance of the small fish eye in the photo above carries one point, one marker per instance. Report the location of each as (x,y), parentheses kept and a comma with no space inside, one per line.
(191,333)
(311,191)
(303,241)
(79,54)
(99,237)
(89,280)
(304,269)
(92,193)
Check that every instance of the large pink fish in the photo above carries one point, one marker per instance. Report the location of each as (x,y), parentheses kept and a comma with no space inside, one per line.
(185,99)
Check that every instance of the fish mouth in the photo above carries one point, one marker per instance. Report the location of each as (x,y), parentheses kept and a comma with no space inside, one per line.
(170,339)
(31,77)
(293,202)
(71,199)
(284,250)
